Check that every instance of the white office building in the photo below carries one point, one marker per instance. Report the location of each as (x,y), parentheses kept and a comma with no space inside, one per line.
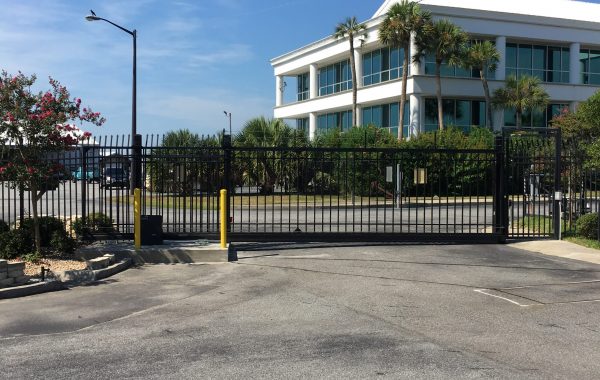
(555,40)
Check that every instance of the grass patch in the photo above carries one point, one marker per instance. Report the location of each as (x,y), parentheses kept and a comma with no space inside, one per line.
(589,243)
(535,224)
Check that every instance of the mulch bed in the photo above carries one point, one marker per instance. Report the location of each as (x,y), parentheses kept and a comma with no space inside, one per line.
(54,264)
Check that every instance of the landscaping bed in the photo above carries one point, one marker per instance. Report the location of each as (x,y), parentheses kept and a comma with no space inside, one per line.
(56,264)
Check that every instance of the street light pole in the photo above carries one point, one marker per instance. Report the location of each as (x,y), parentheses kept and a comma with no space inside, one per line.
(228,114)
(133,33)
(134,97)
(135,140)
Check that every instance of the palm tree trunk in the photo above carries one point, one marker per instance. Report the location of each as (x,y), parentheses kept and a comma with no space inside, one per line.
(438,93)
(518,116)
(354,84)
(403,95)
(488,105)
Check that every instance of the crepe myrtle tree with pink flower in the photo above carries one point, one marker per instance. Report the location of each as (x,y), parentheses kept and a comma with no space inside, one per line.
(34,125)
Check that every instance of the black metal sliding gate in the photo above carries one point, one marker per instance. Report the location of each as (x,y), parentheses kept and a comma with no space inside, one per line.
(365,194)
(319,194)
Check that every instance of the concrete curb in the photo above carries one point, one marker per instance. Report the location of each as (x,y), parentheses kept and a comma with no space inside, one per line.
(31,289)
(560,248)
(65,280)
(78,277)
(112,270)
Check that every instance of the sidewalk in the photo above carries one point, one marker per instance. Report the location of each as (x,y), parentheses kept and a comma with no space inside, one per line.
(560,249)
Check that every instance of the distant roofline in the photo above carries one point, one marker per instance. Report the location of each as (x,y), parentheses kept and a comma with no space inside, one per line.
(560,9)
(493,6)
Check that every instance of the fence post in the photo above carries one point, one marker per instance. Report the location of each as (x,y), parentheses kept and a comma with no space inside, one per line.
(84,185)
(22,205)
(224,222)
(136,164)
(227,176)
(137,218)
(500,196)
(557,184)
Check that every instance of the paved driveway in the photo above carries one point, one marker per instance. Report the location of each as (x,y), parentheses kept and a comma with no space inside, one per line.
(332,312)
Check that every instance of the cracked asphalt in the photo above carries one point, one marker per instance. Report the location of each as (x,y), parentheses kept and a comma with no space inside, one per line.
(289,311)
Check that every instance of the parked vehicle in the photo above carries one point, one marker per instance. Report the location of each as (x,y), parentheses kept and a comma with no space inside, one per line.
(115,177)
(92,175)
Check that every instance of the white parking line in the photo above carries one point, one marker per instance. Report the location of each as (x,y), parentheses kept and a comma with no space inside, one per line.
(485,291)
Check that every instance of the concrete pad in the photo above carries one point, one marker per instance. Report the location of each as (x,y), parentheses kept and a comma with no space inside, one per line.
(172,252)
(560,248)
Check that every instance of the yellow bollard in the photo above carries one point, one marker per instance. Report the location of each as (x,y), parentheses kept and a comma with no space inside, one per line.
(137,218)
(223,218)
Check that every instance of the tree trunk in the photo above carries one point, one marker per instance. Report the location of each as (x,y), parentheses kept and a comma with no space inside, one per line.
(354,84)
(33,194)
(518,116)
(403,96)
(488,105)
(438,93)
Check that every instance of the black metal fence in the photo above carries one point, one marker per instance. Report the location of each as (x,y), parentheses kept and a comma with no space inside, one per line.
(320,194)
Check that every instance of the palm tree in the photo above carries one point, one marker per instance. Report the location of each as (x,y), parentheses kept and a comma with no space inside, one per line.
(522,94)
(402,20)
(267,167)
(165,175)
(484,57)
(351,29)
(446,42)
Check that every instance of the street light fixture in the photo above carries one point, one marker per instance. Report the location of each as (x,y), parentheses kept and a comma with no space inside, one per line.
(135,175)
(228,114)
(93,17)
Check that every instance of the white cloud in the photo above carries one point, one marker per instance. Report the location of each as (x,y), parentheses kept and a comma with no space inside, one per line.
(228,55)
(203,112)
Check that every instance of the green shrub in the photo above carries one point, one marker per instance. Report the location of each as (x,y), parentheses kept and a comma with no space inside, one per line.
(53,234)
(4,227)
(61,242)
(48,226)
(15,243)
(587,226)
(97,222)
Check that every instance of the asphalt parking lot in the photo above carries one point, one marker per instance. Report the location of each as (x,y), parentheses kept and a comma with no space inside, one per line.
(327,312)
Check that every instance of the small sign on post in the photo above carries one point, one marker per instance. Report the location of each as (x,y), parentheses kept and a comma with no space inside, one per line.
(420,177)
(389,174)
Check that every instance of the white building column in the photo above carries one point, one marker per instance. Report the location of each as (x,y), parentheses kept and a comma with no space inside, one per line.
(416,68)
(573,106)
(359,115)
(501,67)
(415,125)
(575,69)
(314,81)
(312,126)
(279,91)
(498,119)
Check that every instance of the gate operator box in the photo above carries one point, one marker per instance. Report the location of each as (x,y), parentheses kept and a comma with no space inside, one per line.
(152,233)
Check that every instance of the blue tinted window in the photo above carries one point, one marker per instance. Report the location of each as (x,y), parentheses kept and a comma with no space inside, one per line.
(367,116)
(394,116)
(511,55)
(335,78)
(447,70)
(367,64)
(524,56)
(549,63)
(383,65)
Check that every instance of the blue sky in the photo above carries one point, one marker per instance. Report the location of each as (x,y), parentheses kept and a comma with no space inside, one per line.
(196,58)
